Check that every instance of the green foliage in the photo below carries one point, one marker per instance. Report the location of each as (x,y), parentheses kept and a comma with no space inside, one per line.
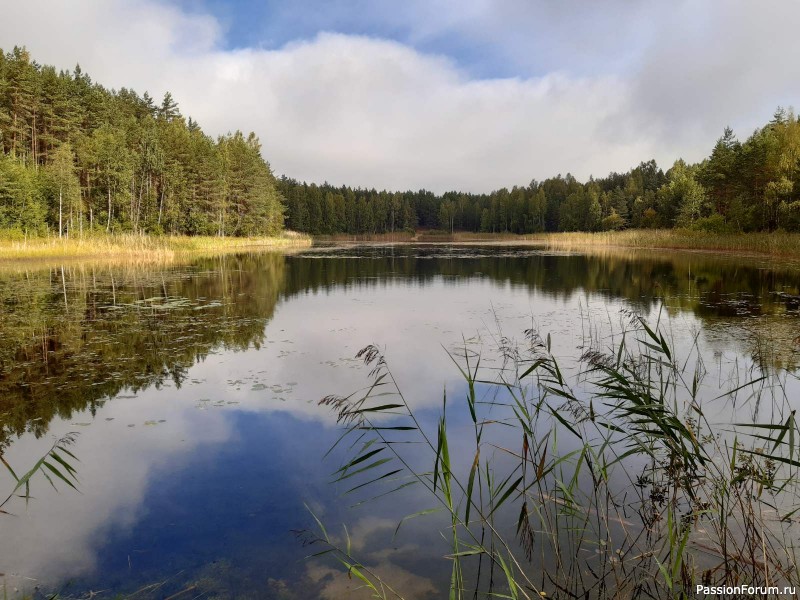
(55,465)
(142,167)
(64,191)
(620,486)
(22,204)
(712,224)
(751,186)
(76,157)
(682,200)
(612,222)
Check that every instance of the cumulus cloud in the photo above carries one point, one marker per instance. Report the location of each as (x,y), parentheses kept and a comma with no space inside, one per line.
(599,88)
(713,64)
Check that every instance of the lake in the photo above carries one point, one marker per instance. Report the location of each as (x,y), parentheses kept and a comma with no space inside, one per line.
(194,392)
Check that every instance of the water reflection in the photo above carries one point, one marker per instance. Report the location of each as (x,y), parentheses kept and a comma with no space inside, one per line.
(194,389)
(74,336)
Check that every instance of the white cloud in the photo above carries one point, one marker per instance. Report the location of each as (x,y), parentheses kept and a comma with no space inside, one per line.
(371,112)
(715,64)
(118,459)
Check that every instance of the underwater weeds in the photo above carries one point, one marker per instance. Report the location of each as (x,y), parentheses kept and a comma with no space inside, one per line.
(620,485)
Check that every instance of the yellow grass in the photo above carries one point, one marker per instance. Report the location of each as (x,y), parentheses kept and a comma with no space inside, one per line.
(138,248)
(772,244)
(777,244)
(141,248)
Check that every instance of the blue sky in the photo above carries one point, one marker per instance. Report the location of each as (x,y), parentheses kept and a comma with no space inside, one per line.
(273,23)
(441,94)
(510,39)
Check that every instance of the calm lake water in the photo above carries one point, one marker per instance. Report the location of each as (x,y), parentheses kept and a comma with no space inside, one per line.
(194,391)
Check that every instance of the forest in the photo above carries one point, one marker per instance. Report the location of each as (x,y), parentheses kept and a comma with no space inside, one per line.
(77,157)
(742,186)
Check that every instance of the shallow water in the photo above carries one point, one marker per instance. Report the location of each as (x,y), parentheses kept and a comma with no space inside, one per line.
(194,391)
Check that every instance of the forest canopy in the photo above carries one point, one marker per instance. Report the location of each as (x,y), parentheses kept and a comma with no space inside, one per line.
(77,157)
(742,186)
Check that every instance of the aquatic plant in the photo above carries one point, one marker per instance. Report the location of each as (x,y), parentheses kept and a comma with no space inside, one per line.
(618,485)
(56,463)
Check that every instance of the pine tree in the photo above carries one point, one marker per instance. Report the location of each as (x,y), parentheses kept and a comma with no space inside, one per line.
(169,108)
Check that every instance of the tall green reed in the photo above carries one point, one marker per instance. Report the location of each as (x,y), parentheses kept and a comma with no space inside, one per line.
(615,481)
(55,465)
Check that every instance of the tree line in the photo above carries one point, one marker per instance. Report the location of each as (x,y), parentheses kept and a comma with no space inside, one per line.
(76,157)
(742,186)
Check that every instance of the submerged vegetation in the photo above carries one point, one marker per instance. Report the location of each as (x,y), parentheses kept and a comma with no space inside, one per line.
(615,480)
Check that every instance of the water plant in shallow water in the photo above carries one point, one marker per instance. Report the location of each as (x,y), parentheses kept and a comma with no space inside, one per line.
(56,463)
(617,483)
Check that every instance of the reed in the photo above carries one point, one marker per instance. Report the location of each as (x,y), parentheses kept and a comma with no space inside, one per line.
(779,243)
(140,247)
(773,244)
(56,465)
(616,483)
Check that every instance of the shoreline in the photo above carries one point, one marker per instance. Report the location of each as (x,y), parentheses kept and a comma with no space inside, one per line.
(773,245)
(139,248)
(146,248)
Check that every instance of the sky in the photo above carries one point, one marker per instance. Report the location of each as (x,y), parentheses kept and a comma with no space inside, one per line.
(470,95)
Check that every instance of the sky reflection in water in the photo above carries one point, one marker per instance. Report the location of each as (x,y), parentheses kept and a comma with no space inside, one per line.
(197,469)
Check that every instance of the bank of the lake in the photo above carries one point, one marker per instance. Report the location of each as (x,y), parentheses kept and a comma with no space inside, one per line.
(141,248)
(164,248)
(776,244)
(781,244)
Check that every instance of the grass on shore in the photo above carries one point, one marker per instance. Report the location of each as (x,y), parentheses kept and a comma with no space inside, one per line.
(145,248)
(772,244)
(762,243)
(141,247)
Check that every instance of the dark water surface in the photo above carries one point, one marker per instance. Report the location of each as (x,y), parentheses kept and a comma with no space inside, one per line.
(194,389)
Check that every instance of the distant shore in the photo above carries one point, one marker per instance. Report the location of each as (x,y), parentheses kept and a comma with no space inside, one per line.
(140,248)
(775,244)
(146,248)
